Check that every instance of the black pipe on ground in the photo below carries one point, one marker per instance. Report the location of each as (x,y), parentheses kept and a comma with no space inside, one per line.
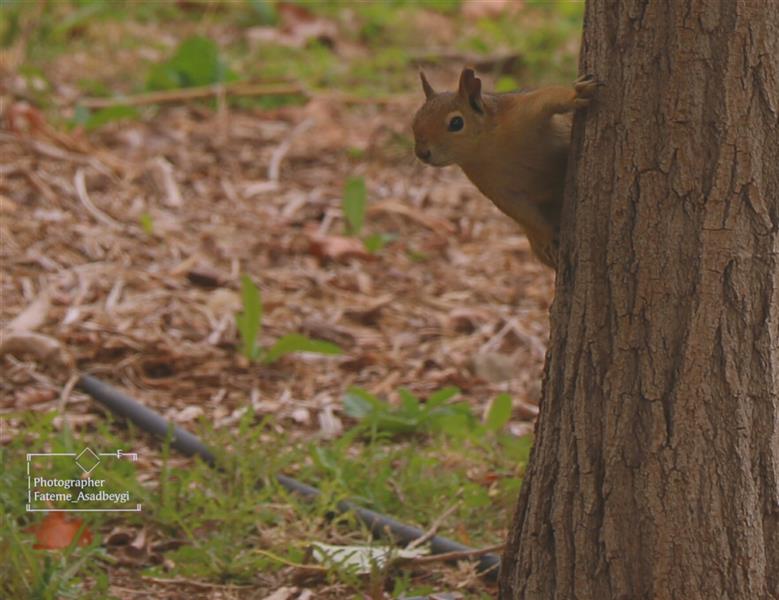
(190,445)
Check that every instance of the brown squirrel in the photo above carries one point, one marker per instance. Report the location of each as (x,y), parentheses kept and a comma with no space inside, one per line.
(513,147)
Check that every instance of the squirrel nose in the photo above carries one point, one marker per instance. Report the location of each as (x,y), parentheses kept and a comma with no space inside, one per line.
(423,153)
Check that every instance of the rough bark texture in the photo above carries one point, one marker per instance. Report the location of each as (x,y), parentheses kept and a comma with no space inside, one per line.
(655,472)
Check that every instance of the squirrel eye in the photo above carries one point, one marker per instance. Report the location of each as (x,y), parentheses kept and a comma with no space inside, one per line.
(456,123)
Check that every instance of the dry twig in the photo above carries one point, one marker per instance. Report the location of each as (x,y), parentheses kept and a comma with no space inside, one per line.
(274,168)
(81,191)
(209,91)
(428,535)
(452,556)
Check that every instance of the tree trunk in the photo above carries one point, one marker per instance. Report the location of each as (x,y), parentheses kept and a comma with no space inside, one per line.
(655,472)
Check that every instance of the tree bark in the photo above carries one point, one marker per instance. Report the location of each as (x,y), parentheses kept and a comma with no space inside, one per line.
(655,471)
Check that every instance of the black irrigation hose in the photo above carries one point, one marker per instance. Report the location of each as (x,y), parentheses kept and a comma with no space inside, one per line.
(186,443)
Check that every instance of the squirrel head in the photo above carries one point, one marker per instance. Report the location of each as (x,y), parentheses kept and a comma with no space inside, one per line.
(449,127)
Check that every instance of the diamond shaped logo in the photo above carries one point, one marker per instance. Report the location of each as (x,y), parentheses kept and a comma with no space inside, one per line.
(87,460)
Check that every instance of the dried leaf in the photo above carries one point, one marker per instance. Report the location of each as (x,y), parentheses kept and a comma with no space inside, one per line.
(33,316)
(437,224)
(119,536)
(166,180)
(369,313)
(7,206)
(138,547)
(361,559)
(330,425)
(298,26)
(43,347)
(23,118)
(283,593)
(56,532)
(190,413)
(489,9)
(336,247)
(495,367)
(205,278)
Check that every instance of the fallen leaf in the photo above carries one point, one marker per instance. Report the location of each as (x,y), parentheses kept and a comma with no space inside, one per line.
(223,301)
(119,536)
(165,179)
(336,247)
(467,320)
(283,593)
(33,316)
(7,205)
(205,277)
(330,425)
(489,9)
(369,313)
(34,395)
(525,411)
(495,367)
(190,413)
(43,347)
(57,531)
(521,429)
(363,559)
(22,118)
(301,415)
(298,25)
(436,224)
(138,547)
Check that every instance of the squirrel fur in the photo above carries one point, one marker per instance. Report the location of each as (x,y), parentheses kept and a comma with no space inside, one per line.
(513,147)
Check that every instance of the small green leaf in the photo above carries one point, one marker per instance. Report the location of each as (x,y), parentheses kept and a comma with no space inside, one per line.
(517,449)
(499,413)
(410,403)
(147,223)
(394,423)
(112,113)
(441,396)
(353,204)
(265,11)
(506,84)
(81,115)
(196,62)
(250,320)
(416,255)
(376,242)
(355,153)
(359,403)
(475,496)
(295,342)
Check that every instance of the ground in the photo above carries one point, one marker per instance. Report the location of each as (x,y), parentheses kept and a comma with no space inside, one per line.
(128,242)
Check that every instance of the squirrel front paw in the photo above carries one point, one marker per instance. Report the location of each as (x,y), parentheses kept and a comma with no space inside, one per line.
(585,88)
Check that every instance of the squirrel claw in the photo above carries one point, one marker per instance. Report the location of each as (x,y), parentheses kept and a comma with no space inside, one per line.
(585,87)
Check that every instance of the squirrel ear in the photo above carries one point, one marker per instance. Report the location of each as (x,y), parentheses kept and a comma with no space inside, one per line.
(429,91)
(470,90)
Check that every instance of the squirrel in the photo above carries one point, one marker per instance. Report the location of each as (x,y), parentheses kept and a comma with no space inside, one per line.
(513,147)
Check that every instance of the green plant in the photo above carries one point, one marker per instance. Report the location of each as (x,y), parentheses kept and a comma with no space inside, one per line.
(412,416)
(499,413)
(147,223)
(249,323)
(376,241)
(196,62)
(235,522)
(92,120)
(353,204)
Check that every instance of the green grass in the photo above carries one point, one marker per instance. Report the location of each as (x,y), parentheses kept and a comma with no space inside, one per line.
(387,34)
(237,522)
(249,324)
